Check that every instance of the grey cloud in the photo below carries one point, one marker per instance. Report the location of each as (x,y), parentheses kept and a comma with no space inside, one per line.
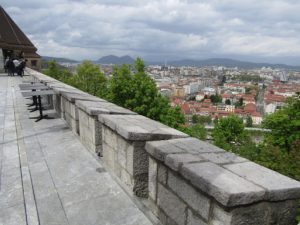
(259,29)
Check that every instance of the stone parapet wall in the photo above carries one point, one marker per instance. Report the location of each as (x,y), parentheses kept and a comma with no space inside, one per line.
(186,181)
(90,126)
(213,187)
(70,110)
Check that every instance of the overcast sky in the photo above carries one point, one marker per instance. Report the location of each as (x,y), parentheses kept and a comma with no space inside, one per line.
(255,30)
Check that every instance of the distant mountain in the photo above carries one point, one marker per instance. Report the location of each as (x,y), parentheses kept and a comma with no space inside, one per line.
(229,63)
(61,60)
(112,59)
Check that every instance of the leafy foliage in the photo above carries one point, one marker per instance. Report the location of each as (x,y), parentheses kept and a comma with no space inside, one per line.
(229,132)
(216,98)
(227,102)
(284,125)
(201,119)
(90,79)
(134,91)
(56,72)
(239,103)
(196,131)
(249,121)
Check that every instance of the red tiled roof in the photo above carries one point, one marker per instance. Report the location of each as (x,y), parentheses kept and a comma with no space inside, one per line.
(185,108)
(250,107)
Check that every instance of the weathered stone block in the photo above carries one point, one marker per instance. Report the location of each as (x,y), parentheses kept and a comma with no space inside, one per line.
(121,157)
(171,205)
(195,146)
(73,124)
(162,174)
(129,127)
(175,161)
(193,198)
(140,161)
(108,156)
(248,215)
(152,179)
(284,212)
(152,206)
(96,108)
(109,137)
(278,187)
(223,158)
(227,188)
(117,168)
(194,220)
(129,160)
(140,187)
(73,111)
(126,178)
(160,149)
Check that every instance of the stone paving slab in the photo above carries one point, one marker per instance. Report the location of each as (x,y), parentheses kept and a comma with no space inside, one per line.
(45,168)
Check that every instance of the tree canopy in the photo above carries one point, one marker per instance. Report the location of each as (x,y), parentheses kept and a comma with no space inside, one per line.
(90,79)
(138,92)
(229,132)
(284,125)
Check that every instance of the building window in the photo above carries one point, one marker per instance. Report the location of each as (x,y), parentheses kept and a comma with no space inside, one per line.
(33,63)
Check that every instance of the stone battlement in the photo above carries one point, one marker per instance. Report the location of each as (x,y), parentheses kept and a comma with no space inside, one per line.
(186,181)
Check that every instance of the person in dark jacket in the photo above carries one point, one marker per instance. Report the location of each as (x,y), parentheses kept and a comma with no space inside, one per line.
(21,67)
(10,67)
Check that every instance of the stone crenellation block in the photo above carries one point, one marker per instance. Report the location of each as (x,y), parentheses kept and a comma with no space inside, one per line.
(88,112)
(123,134)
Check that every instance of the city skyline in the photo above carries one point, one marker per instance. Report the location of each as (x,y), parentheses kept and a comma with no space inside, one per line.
(250,30)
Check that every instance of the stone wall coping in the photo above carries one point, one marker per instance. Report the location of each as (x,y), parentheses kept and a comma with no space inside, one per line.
(139,128)
(228,178)
(60,90)
(42,77)
(59,84)
(71,96)
(93,108)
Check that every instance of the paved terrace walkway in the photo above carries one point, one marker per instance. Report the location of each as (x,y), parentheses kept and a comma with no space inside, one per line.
(48,177)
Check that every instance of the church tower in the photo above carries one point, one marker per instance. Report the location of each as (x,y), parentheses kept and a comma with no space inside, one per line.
(14,43)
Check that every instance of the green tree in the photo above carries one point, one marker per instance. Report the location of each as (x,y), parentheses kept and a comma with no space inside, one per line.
(284,125)
(138,92)
(227,102)
(239,103)
(196,131)
(229,132)
(90,79)
(119,89)
(201,119)
(53,70)
(216,98)
(57,72)
(249,121)
(172,117)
